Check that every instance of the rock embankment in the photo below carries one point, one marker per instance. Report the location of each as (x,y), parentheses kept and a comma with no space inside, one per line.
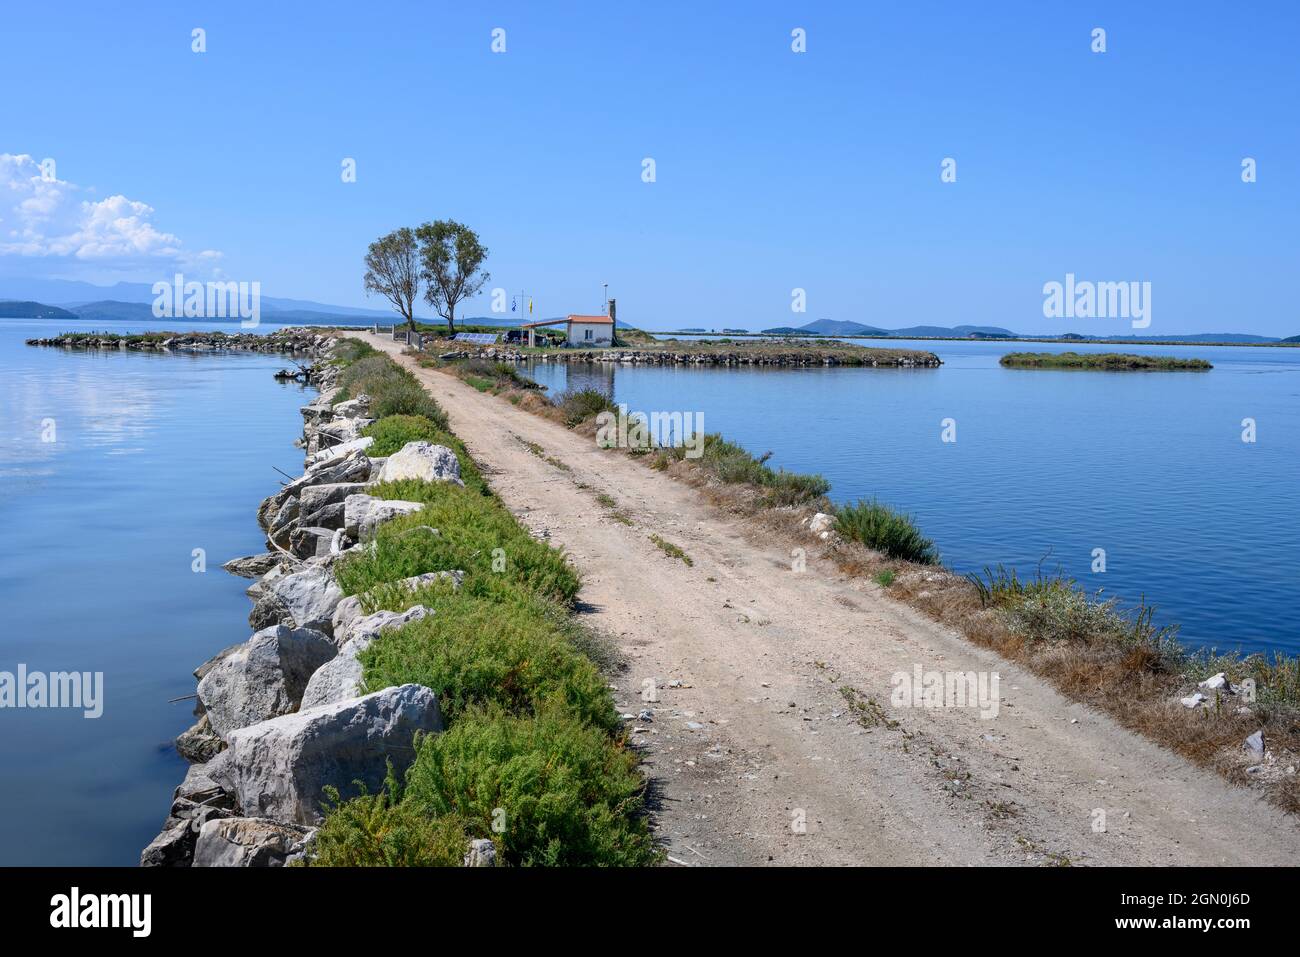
(300,341)
(763,356)
(281,716)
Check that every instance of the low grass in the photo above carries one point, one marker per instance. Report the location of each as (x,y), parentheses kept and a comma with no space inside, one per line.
(881,528)
(1106,361)
(671,550)
(379,830)
(393,390)
(491,643)
(549,789)
(732,464)
(476,535)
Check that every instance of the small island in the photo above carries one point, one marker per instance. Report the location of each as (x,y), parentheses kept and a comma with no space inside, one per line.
(1103,361)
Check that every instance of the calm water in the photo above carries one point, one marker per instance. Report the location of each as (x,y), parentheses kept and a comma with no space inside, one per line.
(1150,467)
(154,456)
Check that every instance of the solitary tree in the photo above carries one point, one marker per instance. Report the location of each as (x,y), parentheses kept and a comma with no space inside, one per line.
(451,255)
(393,271)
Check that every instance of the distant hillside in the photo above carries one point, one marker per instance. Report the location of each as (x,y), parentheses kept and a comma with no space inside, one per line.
(839,327)
(26,309)
(1292,339)
(110,310)
(1237,337)
(70,293)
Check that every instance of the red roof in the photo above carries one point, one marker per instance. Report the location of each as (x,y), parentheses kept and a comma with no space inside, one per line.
(605,320)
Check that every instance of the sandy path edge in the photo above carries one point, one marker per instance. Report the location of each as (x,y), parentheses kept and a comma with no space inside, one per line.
(756,757)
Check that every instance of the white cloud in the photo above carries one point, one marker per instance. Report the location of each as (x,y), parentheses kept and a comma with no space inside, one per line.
(56,221)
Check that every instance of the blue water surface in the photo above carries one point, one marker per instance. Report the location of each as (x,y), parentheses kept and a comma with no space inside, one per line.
(153,457)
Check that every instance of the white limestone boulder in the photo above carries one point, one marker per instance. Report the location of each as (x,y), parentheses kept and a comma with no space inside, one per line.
(423,461)
(362,514)
(279,768)
(265,677)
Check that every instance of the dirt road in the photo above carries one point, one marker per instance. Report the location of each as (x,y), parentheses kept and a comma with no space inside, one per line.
(762,742)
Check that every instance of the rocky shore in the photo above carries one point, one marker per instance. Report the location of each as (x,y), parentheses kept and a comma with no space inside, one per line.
(295,341)
(280,716)
(799,358)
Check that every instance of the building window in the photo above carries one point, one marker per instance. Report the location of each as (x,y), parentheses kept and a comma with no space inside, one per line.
(587,334)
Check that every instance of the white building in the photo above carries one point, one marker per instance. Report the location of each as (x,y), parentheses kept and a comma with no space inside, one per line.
(580,331)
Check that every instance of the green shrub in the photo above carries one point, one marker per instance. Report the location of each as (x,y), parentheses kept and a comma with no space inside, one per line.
(732,464)
(491,643)
(567,794)
(379,831)
(579,405)
(1064,614)
(879,527)
(471,528)
(393,432)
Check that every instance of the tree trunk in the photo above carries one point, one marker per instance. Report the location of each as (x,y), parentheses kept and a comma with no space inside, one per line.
(451,322)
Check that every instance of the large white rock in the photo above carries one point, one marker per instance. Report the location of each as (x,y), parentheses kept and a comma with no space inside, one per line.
(821,522)
(337,453)
(278,768)
(251,842)
(264,678)
(420,460)
(340,678)
(1217,682)
(353,408)
(362,514)
(314,497)
(303,599)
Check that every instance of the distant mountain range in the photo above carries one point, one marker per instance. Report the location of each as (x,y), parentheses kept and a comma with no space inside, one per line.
(133,301)
(26,309)
(837,327)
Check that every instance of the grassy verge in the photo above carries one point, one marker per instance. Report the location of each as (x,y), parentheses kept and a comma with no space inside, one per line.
(1106,361)
(534,755)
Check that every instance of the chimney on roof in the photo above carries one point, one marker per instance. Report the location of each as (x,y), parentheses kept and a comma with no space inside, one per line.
(613,329)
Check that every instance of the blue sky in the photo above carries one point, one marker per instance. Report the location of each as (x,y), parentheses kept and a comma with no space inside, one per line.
(775,170)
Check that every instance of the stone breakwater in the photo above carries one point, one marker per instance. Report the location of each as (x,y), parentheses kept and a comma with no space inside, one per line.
(789,358)
(282,715)
(292,341)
